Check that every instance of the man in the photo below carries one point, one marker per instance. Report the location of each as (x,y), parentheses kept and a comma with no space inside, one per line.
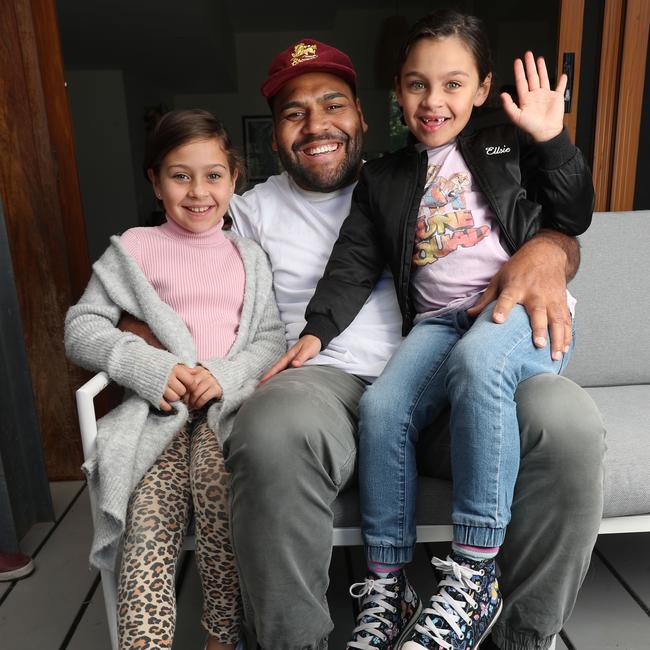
(293,446)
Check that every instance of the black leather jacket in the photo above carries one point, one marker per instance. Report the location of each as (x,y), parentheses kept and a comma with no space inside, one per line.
(528,185)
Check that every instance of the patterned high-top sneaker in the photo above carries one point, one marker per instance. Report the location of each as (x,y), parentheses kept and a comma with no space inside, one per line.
(462,612)
(388,610)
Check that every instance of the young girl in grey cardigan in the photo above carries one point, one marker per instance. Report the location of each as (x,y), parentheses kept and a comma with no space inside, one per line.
(207,296)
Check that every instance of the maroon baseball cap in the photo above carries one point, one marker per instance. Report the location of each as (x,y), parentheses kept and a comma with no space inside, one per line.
(307,55)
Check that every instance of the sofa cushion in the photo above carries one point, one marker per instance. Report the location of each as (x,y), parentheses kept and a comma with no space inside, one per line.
(613,292)
(626,412)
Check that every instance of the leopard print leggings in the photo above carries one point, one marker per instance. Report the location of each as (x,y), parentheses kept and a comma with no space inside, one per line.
(192,466)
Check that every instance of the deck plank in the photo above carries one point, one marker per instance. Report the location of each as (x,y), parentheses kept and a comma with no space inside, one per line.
(92,631)
(35,536)
(605,615)
(28,544)
(629,557)
(63,493)
(49,600)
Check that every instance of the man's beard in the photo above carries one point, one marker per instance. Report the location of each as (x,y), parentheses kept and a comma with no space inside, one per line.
(325,180)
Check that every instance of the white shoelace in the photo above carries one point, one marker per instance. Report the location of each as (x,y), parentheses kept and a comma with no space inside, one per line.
(443,605)
(372,590)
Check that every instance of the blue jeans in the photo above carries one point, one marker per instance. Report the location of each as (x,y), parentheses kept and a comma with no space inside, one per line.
(475,365)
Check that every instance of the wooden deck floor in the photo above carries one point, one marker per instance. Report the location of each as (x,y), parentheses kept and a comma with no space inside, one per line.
(61,607)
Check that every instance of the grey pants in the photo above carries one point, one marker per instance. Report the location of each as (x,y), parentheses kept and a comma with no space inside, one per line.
(293,448)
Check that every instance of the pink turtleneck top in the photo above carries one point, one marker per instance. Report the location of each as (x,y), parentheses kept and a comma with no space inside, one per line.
(199,275)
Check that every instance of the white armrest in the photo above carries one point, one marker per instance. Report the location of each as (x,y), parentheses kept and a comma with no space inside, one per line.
(86,408)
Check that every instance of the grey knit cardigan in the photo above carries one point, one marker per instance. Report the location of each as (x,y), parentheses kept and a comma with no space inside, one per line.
(132,436)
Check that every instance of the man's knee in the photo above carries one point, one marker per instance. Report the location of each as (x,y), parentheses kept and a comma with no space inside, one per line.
(287,430)
(560,421)
(268,428)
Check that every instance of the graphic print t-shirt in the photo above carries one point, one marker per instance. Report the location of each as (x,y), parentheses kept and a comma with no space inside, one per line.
(457,247)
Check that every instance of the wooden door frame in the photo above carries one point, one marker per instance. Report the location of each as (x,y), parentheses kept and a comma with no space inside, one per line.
(608,79)
(630,104)
(620,102)
(570,41)
(624,43)
(59,121)
(44,222)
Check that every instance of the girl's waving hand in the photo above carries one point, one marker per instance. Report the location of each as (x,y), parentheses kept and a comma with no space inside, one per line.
(541,110)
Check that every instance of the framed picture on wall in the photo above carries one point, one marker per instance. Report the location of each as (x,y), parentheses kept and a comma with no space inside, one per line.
(261,160)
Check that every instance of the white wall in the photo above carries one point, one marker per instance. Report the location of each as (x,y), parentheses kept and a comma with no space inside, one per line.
(101,134)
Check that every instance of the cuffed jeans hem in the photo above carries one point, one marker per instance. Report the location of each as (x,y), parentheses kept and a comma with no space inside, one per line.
(389,554)
(478,536)
(506,639)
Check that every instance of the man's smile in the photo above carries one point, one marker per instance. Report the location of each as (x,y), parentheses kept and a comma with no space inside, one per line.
(321,149)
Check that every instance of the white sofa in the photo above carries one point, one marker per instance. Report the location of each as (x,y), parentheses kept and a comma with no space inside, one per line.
(611,360)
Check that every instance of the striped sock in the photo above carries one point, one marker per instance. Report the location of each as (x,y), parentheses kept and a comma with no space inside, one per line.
(475,552)
(380,569)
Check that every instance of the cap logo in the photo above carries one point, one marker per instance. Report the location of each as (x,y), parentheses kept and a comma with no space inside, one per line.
(303,52)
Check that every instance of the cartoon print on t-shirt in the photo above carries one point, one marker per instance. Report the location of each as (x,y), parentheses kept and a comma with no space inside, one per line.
(444,223)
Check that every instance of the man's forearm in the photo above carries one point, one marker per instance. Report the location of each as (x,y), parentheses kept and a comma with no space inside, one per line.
(568,244)
(128,323)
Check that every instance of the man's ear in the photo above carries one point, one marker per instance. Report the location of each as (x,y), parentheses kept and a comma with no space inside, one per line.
(274,144)
(483,91)
(364,126)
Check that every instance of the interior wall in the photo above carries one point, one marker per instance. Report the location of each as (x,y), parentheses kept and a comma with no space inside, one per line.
(357,32)
(103,143)
(254,52)
(356,29)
